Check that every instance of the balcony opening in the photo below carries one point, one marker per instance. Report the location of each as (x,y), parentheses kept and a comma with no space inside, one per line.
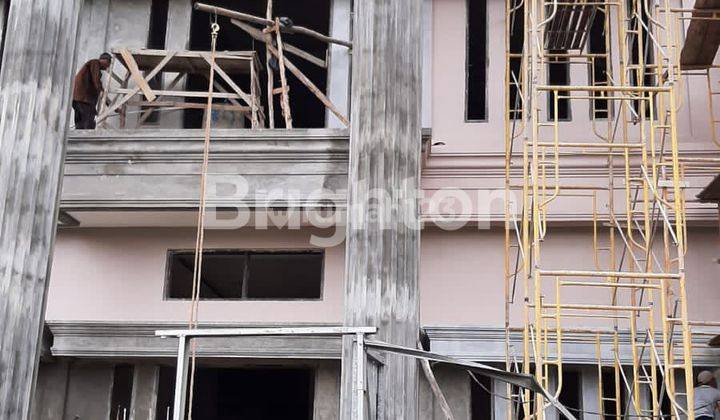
(307,110)
(476,61)
(480,398)
(121,397)
(250,394)
(234,275)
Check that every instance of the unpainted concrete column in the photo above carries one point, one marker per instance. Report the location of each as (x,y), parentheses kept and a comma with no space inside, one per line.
(89,392)
(338,84)
(383,235)
(177,38)
(500,402)
(51,390)
(35,84)
(144,392)
(326,405)
(590,401)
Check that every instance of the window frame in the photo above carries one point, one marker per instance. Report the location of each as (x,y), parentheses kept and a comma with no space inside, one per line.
(550,115)
(466,110)
(170,253)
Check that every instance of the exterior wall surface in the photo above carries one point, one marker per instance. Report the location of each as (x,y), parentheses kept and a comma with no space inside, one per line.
(118,275)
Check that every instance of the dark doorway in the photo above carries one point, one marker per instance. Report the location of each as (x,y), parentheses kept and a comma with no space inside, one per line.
(307,111)
(122,386)
(247,394)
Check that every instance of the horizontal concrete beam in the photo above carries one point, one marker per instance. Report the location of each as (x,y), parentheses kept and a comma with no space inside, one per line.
(481,344)
(159,169)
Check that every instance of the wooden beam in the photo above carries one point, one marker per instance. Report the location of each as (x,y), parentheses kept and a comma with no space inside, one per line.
(268,68)
(305,56)
(285,93)
(220,72)
(137,77)
(244,17)
(256,34)
(154,72)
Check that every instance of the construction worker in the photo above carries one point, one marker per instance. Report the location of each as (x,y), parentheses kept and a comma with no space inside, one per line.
(88,86)
(707,396)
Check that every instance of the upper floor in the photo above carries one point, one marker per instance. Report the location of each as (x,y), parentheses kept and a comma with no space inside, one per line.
(145,154)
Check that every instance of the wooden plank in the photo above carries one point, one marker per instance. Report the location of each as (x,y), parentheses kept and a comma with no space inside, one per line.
(154,72)
(270,72)
(304,55)
(135,74)
(245,97)
(285,94)
(702,38)
(295,71)
(147,113)
(244,17)
(186,94)
(189,105)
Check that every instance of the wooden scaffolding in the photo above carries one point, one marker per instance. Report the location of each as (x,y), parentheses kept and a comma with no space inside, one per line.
(133,71)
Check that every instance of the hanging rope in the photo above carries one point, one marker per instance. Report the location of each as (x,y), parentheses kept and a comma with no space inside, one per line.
(200,237)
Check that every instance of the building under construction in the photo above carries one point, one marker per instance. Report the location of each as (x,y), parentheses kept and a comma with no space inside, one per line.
(369,209)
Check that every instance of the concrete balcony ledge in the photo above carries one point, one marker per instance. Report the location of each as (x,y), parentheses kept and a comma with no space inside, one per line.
(159,169)
(169,143)
(154,171)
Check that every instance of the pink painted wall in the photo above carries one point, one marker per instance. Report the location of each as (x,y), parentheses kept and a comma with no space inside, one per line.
(449,26)
(118,274)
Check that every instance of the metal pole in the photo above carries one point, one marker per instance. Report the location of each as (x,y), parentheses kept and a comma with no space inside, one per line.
(181,377)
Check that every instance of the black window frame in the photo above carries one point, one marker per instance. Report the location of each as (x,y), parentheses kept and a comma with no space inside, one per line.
(246,252)
(485,61)
(557,63)
(516,37)
(596,65)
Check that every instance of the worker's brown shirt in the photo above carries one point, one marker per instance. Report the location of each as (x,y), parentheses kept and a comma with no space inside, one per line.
(87,83)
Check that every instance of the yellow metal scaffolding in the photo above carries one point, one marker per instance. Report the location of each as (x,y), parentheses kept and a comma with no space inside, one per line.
(632,293)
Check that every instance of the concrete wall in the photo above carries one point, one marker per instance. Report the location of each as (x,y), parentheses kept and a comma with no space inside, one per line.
(449,30)
(118,274)
(327,391)
(88,392)
(51,391)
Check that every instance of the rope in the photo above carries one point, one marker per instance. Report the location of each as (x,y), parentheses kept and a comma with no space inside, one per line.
(200,236)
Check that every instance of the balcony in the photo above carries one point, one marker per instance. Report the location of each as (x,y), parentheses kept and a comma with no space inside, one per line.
(152,175)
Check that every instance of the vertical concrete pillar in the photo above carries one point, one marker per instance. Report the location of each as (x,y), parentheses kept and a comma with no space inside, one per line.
(177,38)
(51,391)
(500,402)
(383,236)
(326,405)
(35,84)
(338,86)
(144,392)
(590,397)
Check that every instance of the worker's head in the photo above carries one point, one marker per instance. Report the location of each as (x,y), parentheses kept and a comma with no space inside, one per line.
(105,60)
(706,378)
